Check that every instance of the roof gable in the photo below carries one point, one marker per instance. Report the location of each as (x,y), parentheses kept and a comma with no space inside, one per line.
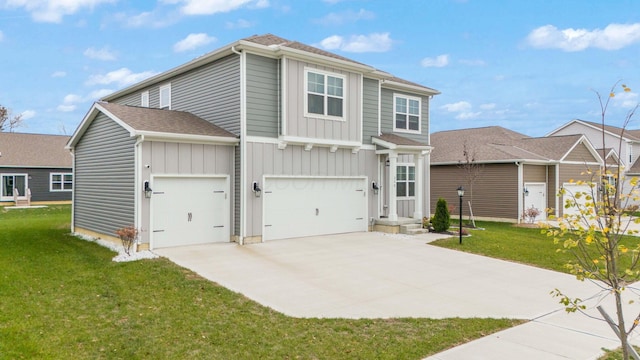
(631,135)
(34,150)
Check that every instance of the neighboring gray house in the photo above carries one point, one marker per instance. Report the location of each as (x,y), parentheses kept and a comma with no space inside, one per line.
(515,173)
(262,139)
(37,163)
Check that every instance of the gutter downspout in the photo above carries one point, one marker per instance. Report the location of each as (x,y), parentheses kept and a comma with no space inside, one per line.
(243,148)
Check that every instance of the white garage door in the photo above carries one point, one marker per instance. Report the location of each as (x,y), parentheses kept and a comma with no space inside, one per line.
(189,211)
(295,207)
(571,191)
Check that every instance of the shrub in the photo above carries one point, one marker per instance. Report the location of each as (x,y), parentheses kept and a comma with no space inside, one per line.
(530,214)
(128,236)
(441,219)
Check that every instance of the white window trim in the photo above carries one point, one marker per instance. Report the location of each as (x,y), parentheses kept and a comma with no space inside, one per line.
(62,182)
(162,88)
(144,99)
(307,114)
(406,165)
(4,197)
(408,97)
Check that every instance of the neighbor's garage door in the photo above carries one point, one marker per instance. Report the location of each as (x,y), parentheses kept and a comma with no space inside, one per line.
(189,211)
(295,207)
(571,190)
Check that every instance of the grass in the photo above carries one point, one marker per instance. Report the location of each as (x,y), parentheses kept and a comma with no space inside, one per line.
(61,297)
(614,354)
(519,244)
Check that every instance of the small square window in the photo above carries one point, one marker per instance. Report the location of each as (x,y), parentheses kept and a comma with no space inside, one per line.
(406,114)
(325,94)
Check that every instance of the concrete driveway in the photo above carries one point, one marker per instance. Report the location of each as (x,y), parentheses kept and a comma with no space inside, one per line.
(375,275)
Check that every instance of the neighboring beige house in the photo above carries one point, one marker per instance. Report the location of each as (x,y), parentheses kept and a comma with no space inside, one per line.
(516,171)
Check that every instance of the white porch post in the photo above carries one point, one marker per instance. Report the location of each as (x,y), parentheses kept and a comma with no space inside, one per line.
(418,161)
(393,203)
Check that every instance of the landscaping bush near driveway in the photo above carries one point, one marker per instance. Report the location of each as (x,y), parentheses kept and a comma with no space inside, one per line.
(63,298)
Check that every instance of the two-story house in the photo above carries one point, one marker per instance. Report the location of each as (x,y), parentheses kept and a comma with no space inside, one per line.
(262,139)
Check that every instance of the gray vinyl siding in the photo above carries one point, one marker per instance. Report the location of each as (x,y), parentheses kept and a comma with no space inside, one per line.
(262,96)
(104,178)
(39,182)
(211,92)
(370,109)
(495,191)
(265,159)
(387,121)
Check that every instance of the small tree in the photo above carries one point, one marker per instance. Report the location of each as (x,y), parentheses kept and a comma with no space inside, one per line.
(594,232)
(441,219)
(9,122)
(472,170)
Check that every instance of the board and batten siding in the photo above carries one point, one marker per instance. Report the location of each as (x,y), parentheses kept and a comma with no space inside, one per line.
(265,159)
(298,125)
(39,182)
(387,117)
(104,178)
(262,96)
(495,191)
(370,109)
(169,158)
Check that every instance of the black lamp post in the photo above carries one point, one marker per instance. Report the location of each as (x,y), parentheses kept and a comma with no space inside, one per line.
(460,195)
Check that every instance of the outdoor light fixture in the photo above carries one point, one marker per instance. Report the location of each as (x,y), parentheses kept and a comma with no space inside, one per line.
(256,189)
(525,192)
(375,187)
(460,195)
(147,189)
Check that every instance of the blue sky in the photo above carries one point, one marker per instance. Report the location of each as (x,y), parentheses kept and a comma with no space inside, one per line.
(529,66)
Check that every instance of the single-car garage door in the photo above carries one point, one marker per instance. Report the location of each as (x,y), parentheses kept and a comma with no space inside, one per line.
(307,206)
(571,190)
(189,211)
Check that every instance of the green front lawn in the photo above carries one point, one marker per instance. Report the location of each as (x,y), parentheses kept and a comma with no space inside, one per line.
(61,297)
(520,244)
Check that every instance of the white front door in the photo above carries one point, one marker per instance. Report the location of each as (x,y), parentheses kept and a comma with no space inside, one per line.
(307,206)
(536,196)
(189,211)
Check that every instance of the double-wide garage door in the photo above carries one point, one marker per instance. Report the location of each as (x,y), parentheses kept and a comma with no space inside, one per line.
(308,206)
(189,211)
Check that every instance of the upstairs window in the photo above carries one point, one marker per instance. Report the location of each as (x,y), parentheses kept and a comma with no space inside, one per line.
(405,181)
(325,94)
(165,96)
(60,182)
(144,99)
(406,113)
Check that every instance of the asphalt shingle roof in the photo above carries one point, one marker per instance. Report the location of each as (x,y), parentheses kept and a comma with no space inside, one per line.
(164,121)
(34,150)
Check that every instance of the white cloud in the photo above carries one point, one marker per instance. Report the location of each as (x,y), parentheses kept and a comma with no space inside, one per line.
(457,107)
(209,7)
(103,54)
(627,100)
(193,41)
(438,61)
(66,108)
(472,62)
(54,10)
(348,16)
(239,24)
(28,114)
(1,35)
(72,99)
(58,74)
(98,94)
(375,42)
(468,115)
(489,106)
(122,77)
(612,37)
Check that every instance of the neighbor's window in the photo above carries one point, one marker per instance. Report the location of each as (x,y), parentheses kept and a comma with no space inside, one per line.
(61,182)
(165,96)
(406,113)
(405,181)
(325,94)
(144,99)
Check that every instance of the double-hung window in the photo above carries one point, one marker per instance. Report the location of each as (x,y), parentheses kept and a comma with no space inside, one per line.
(406,113)
(60,181)
(165,96)
(325,94)
(405,181)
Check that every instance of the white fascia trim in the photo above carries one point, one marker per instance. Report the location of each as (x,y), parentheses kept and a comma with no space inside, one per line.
(296,140)
(401,148)
(189,138)
(283,96)
(394,85)
(88,119)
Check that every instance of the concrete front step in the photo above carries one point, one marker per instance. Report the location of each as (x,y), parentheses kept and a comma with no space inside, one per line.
(412,229)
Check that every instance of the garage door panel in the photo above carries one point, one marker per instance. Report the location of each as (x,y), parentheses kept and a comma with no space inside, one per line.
(570,191)
(296,207)
(189,211)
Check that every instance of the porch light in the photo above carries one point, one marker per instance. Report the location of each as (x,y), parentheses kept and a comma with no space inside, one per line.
(255,187)
(525,192)
(460,195)
(375,187)
(147,189)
